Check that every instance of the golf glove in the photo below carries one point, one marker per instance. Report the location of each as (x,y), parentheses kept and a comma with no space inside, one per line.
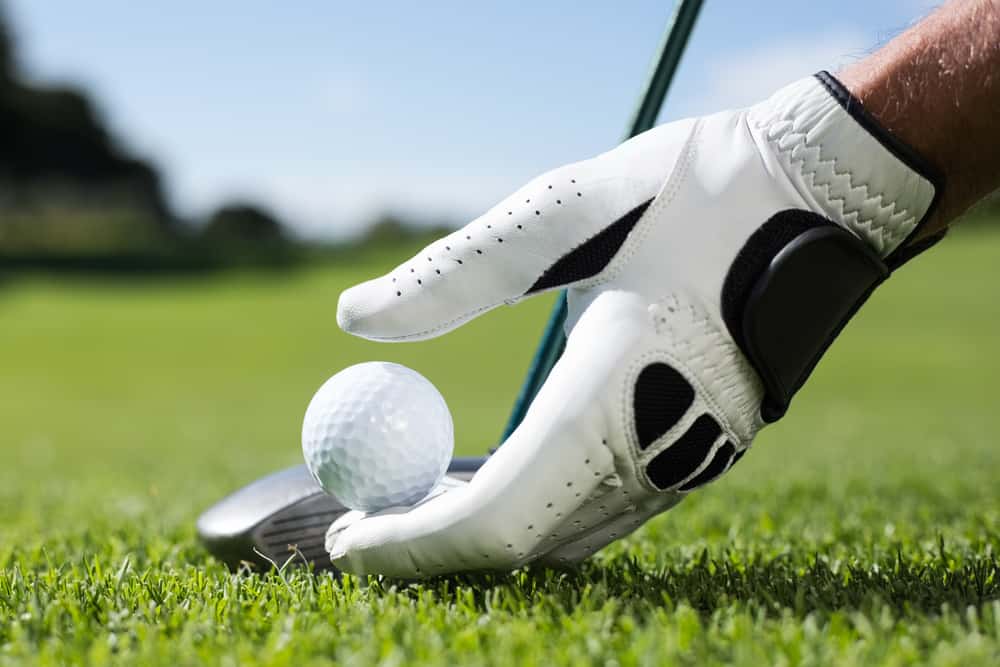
(709,263)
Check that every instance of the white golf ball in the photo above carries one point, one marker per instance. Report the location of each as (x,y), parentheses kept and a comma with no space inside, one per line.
(377,435)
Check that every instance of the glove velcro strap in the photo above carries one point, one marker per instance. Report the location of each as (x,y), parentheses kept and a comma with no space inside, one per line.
(794,285)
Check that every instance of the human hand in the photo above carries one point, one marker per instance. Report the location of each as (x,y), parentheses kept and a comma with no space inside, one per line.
(709,263)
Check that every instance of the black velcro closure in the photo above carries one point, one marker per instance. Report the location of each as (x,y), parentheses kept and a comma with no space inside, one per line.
(678,461)
(662,396)
(786,312)
(590,257)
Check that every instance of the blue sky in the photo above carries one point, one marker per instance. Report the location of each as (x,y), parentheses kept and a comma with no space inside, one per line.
(330,112)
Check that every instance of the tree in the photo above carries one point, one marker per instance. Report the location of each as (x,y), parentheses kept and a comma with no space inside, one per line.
(244,222)
(61,170)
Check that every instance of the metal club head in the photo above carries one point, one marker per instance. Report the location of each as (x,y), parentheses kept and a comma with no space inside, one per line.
(282,518)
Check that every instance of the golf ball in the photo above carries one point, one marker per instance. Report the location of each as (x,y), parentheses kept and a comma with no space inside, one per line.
(377,435)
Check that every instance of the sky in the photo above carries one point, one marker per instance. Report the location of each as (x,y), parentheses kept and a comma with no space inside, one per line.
(331,113)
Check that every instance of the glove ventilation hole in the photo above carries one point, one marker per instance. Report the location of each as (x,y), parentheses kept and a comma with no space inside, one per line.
(719,464)
(679,461)
(662,396)
(592,256)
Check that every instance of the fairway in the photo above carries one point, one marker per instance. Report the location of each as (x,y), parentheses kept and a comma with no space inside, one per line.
(862,529)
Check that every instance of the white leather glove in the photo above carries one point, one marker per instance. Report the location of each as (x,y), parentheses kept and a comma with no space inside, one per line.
(709,262)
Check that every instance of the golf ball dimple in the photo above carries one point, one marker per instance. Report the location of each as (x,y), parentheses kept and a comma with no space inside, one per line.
(377,435)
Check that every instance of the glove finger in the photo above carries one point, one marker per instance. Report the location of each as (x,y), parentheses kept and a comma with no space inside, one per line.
(561,229)
(346,519)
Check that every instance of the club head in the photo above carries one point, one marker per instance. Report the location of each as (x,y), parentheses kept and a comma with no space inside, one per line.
(282,518)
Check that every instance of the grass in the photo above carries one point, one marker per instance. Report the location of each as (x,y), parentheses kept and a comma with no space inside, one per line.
(862,529)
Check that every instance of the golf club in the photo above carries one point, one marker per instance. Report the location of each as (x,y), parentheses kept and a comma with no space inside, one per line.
(282,518)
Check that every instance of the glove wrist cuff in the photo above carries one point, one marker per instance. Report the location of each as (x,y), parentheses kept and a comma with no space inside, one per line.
(845,164)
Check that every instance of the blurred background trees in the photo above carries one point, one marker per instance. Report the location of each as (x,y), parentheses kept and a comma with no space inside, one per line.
(243,223)
(66,186)
(73,197)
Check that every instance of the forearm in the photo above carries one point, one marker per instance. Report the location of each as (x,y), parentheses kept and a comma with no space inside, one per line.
(937,87)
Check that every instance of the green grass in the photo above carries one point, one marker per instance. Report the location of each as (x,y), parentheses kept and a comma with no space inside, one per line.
(862,529)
